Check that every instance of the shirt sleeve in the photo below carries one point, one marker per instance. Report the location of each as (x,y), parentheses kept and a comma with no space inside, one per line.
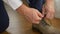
(14,3)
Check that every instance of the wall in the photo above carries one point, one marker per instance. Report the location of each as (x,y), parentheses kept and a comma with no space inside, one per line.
(57,7)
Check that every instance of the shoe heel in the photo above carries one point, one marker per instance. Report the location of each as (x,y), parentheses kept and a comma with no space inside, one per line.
(36,30)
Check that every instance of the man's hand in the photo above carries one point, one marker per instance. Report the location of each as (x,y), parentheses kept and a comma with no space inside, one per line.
(49,9)
(31,14)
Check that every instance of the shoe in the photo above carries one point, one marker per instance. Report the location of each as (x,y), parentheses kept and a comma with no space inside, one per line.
(45,28)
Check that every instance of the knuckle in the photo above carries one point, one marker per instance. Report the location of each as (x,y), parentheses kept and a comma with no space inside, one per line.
(33,22)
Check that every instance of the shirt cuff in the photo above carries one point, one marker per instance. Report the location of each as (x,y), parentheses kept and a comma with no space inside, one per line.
(15,3)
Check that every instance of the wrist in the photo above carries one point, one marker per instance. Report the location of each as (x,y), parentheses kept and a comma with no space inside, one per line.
(49,1)
(23,8)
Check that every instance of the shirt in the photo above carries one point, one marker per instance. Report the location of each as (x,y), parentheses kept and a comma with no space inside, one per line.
(14,3)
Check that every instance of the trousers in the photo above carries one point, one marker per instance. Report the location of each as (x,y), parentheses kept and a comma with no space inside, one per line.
(4,19)
(37,4)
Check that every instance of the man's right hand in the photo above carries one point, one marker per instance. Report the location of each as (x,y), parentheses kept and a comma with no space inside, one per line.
(31,14)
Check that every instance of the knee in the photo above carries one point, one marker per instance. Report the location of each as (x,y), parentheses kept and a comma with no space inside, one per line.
(4,25)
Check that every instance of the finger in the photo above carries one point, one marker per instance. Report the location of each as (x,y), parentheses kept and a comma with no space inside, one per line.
(52,16)
(48,15)
(43,10)
(40,14)
(36,21)
(37,18)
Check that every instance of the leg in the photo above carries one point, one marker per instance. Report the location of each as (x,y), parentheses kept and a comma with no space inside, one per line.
(37,4)
(4,20)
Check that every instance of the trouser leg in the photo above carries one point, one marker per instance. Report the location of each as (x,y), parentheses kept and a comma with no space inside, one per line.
(37,4)
(4,19)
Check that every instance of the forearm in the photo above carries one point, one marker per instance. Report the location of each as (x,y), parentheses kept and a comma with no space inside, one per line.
(50,2)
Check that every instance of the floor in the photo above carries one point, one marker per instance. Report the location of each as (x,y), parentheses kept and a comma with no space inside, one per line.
(19,25)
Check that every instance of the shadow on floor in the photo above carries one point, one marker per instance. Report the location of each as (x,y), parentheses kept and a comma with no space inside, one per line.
(5,32)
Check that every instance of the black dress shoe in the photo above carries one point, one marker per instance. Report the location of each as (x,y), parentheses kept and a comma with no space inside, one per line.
(35,27)
(45,28)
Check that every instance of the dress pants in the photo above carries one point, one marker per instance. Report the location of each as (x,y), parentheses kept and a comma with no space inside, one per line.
(37,4)
(4,19)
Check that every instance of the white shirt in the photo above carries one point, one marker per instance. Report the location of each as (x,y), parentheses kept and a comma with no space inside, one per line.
(13,3)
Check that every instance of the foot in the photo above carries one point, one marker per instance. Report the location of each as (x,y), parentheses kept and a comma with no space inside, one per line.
(45,28)
(35,27)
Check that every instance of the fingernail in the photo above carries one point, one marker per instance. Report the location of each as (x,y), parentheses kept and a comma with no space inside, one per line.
(42,15)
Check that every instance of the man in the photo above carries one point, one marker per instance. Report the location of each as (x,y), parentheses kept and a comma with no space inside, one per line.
(31,14)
